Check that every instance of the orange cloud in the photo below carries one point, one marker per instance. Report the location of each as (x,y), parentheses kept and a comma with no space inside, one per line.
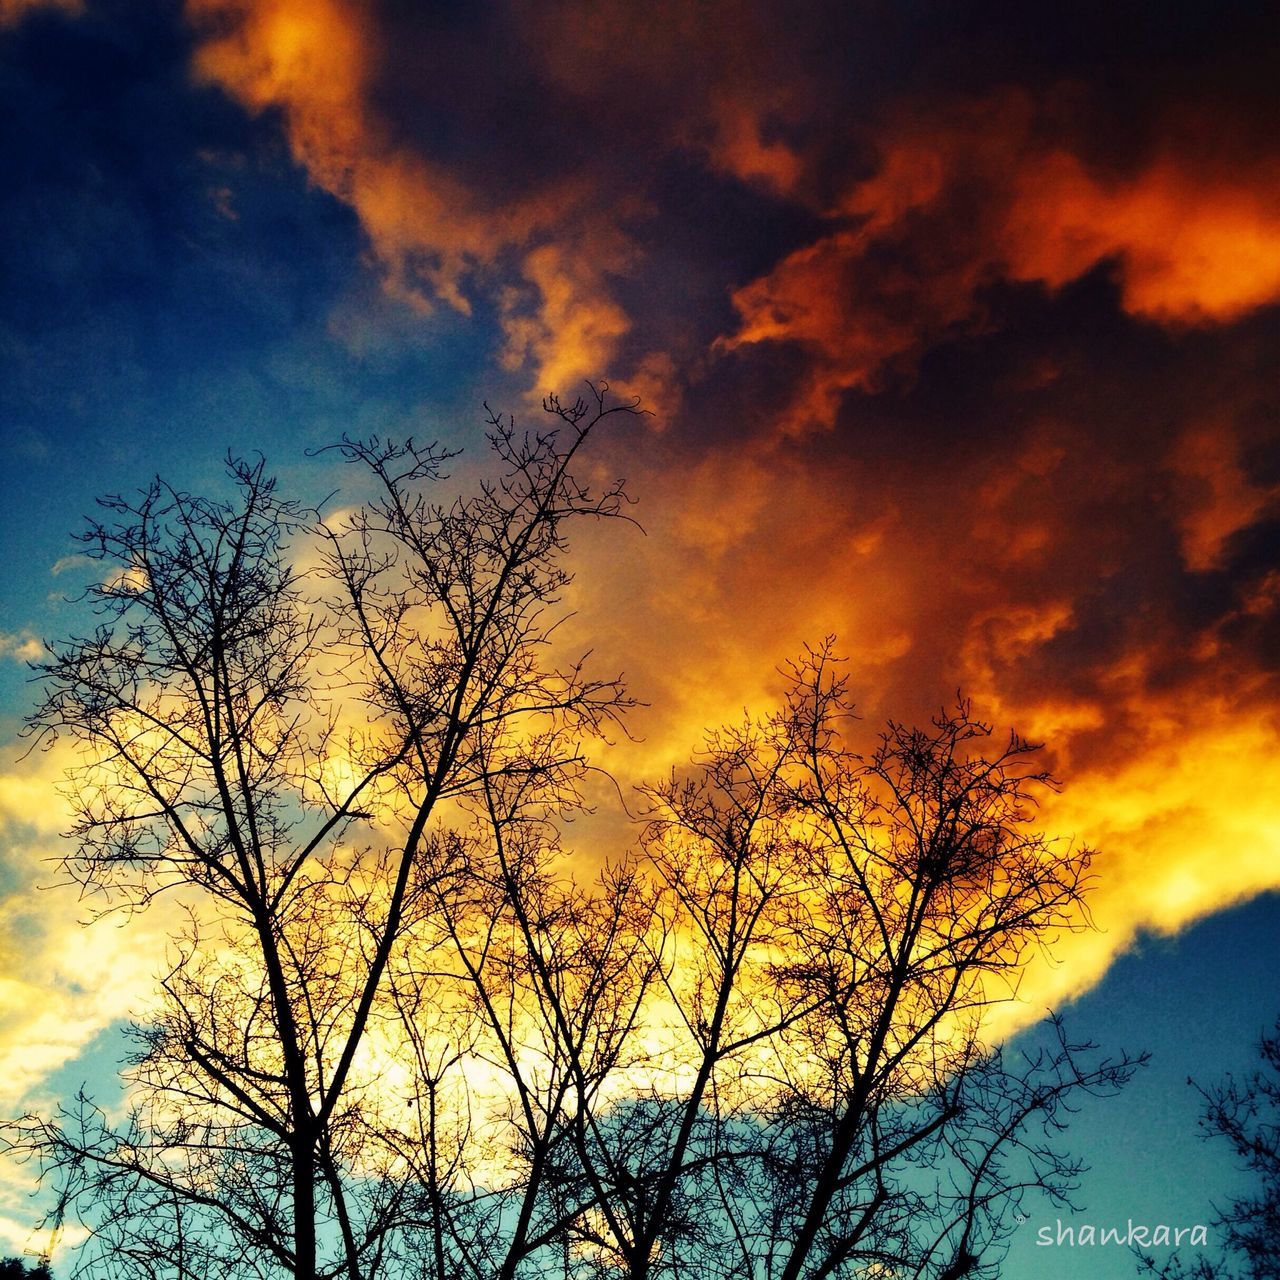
(546,247)
(313,60)
(709,75)
(1217,498)
(573,325)
(1191,247)
(962,200)
(986,568)
(852,323)
(1185,826)
(1049,571)
(740,145)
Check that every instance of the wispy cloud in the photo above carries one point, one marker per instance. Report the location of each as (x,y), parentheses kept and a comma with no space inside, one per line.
(21,646)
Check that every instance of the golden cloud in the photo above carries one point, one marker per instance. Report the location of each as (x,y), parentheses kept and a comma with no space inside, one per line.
(757,546)
(996,577)
(1192,248)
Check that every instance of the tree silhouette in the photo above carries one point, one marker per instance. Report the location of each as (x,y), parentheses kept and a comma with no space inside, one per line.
(236,719)
(846,920)
(1245,1115)
(16,1269)
(399,1035)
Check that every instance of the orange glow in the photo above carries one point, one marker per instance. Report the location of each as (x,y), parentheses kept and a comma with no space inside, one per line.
(1218,499)
(1191,248)
(972,555)
(1187,826)
(573,329)
(851,326)
(741,149)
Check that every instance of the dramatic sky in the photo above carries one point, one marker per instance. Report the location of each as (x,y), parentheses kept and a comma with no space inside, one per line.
(960,325)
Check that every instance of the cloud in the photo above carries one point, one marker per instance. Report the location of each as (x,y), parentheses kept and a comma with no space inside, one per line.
(1091,568)
(1218,497)
(964,356)
(972,192)
(62,984)
(22,646)
(75,561)
(570,327)
(20,1240)
(1192,247)
(510,158)
(1184,826)
(921,204)
(436,236)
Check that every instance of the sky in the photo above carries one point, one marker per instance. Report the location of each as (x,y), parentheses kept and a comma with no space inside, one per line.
(959,326)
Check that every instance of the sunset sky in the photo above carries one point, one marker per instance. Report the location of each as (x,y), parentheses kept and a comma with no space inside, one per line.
(960,326)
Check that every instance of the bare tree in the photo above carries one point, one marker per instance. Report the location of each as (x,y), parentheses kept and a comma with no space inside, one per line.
(548,975)
(401,1037)
(236,719)
(848,919)
(1244,1114)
